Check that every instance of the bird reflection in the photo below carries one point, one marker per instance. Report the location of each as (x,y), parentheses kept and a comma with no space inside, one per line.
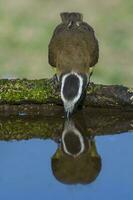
(76,160)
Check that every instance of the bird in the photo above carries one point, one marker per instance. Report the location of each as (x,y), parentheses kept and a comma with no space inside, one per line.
(73,51)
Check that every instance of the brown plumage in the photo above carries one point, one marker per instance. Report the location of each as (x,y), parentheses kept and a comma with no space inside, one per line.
(73,45)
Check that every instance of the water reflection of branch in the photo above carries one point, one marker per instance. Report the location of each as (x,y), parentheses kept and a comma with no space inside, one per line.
(98,122)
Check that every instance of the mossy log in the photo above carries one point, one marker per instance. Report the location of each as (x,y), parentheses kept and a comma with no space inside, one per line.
(33,109)
(93,122)
(40,97)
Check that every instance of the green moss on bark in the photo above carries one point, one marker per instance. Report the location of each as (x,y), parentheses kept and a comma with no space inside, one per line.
(44,91)
(16,91)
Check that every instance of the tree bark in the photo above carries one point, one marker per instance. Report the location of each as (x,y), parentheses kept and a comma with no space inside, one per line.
(42,97)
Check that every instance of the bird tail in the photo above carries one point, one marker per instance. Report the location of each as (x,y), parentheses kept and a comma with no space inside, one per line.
(71,17)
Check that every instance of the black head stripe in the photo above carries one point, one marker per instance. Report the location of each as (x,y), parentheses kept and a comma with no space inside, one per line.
(71,87)
(72,142)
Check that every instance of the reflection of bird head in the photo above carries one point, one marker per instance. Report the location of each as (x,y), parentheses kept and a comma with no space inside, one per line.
(73,90)
(73,142)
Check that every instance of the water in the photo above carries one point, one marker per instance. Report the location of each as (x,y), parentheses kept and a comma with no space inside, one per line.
(27,171)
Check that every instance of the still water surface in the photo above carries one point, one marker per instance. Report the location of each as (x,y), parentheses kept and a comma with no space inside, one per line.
(26,173)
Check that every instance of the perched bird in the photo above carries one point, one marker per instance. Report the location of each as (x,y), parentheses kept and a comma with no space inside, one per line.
(73,51)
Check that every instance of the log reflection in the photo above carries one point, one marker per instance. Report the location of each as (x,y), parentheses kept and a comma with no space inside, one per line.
(97,122)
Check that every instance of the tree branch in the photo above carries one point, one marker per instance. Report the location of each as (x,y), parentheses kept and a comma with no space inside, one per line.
(41,97)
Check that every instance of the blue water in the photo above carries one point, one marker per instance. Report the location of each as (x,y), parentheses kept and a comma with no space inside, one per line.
(25,171)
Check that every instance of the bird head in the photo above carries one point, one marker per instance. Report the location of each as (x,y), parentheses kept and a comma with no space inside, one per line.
(73,90)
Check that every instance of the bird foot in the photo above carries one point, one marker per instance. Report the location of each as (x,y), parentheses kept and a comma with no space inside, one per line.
(90,78)
(55,82)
